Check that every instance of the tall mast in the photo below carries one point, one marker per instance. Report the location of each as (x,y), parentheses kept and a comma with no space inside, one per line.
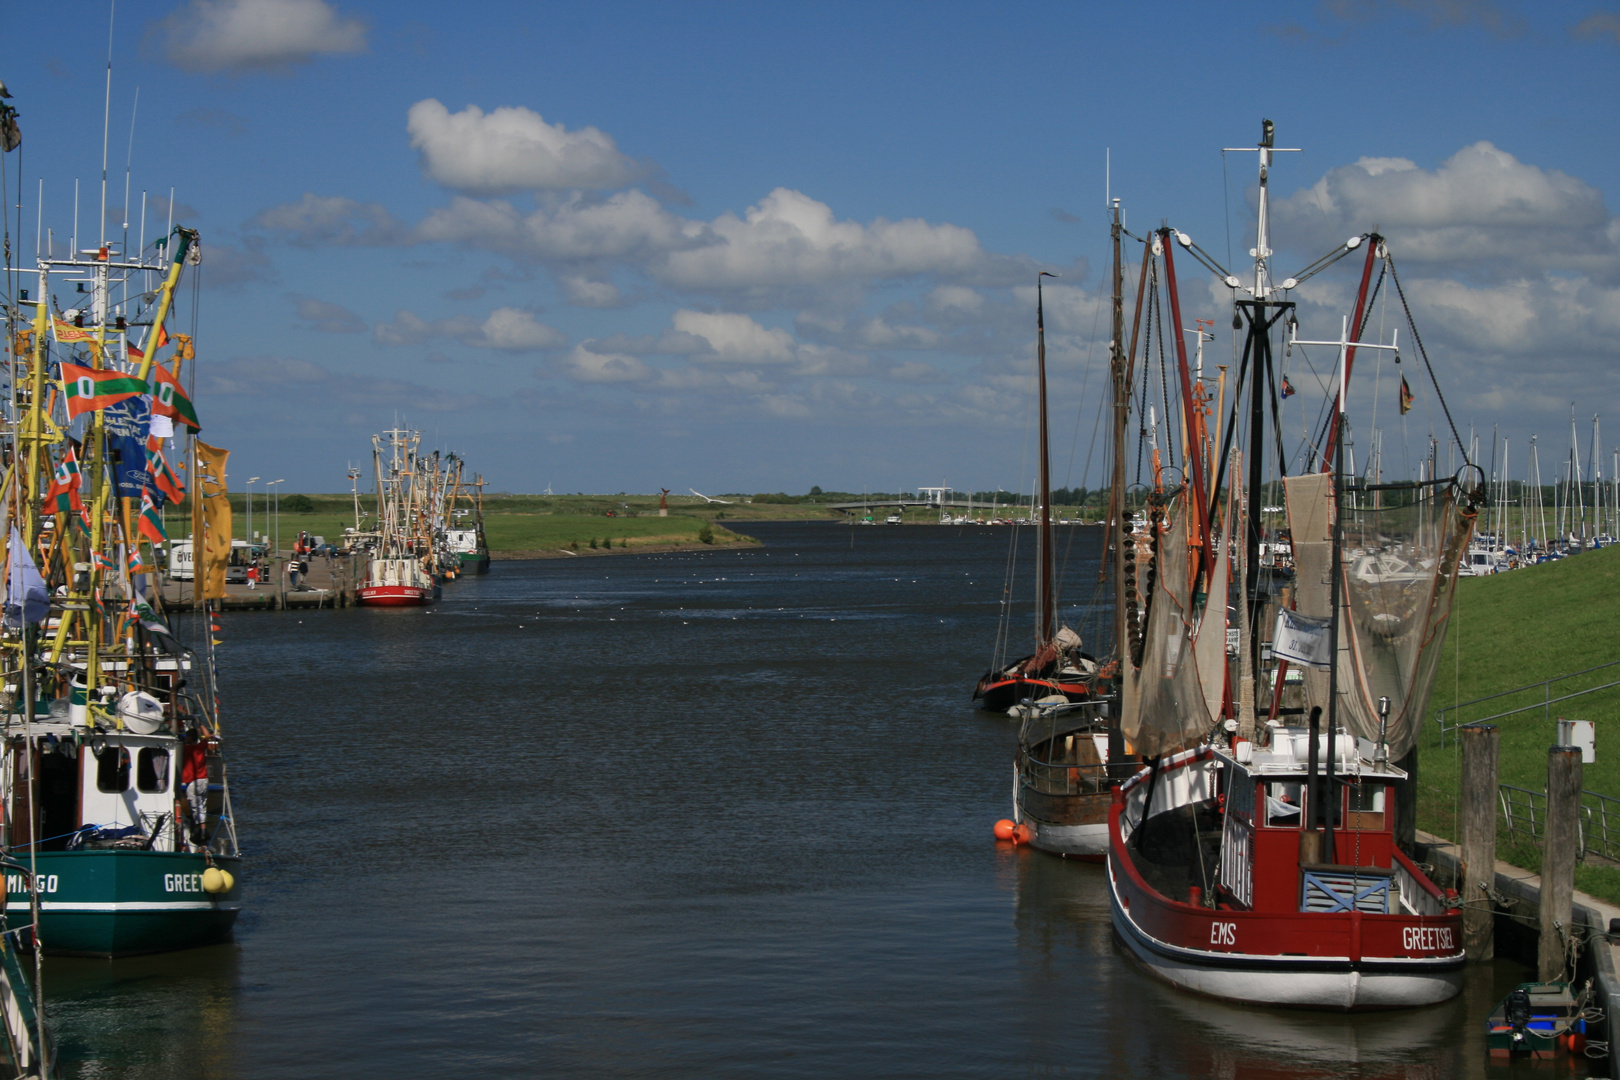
(1118,366)
(1047,614)
(1261,313)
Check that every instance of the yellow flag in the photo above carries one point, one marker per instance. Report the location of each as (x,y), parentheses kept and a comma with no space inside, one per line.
(214,512)
(66,331)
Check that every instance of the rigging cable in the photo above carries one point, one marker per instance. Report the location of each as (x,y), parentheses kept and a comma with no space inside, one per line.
(1389,260)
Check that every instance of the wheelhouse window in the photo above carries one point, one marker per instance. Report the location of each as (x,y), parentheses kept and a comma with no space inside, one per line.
(152,770)
(1285,803)
(112,769)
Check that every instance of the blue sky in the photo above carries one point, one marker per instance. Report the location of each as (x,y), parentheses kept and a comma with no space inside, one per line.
(756,247)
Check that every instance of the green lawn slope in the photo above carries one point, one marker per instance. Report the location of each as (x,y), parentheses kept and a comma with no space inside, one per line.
(1510,630)
(514,525)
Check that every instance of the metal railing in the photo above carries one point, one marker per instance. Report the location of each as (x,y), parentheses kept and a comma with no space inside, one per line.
(1525,812)
(1449,712)
(1059,779)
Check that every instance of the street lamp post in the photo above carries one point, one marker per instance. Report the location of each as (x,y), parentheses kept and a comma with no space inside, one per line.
(277,515)
(251,481)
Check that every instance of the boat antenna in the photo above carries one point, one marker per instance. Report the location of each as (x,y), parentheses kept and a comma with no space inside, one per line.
(106,124)
(130,162)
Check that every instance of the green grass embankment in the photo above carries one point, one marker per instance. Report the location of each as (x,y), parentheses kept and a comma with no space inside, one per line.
(1510,630)
(514,525)
(511,534)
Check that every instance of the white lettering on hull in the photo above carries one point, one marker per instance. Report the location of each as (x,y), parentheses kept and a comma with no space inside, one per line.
(1223,933)
(1428,938)
(18,883)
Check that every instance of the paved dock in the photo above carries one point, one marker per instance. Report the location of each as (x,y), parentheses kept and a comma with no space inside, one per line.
(330,583)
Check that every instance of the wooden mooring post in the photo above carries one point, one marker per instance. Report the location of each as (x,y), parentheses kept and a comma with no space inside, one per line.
(1477,839)
(1562,845)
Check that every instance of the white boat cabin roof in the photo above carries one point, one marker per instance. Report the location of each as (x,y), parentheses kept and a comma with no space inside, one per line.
(1289,756)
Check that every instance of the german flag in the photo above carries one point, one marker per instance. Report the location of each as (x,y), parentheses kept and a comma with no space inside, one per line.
(1406,397)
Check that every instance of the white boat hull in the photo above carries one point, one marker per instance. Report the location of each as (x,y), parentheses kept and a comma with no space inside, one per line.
(1088,842)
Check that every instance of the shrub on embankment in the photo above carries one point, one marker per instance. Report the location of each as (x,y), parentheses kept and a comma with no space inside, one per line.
(1510,630)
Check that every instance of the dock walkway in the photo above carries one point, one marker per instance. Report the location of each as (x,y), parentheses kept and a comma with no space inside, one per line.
(330,584)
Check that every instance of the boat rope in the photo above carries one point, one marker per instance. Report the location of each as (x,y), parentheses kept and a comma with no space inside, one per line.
(1389,261)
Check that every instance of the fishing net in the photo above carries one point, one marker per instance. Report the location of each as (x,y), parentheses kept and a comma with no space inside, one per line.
(1165,709)
(1401,545)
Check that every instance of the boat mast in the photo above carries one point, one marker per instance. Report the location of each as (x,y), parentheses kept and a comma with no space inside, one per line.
(1046,614)
(1115,524)
(1261,313)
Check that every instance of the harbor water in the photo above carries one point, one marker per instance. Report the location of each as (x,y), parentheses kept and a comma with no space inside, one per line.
(723,813)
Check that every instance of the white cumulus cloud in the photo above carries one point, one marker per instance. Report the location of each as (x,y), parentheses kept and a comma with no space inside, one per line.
(628,226)
(247,35)
(593,367)
(1482,203)
(789,239)
(507,329)
(512,149)
(737,339)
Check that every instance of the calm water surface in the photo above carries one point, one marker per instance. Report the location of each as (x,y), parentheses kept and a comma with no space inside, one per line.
(692,815)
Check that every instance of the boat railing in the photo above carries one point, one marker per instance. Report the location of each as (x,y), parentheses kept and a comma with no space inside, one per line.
(1057,778)
(1419,895)
(1524,812)
(1447,717)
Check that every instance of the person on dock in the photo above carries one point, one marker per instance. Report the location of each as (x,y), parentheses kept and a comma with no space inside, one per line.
(253,574)
(292,573)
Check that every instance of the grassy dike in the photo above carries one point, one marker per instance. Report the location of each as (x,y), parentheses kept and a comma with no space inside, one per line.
(1509,630)
(516,526)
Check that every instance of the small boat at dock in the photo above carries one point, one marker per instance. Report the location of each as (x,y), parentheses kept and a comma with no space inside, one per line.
(1540,1022)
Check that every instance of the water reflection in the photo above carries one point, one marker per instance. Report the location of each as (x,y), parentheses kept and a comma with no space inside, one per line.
(684,816)
(161,1017)
(1062,917)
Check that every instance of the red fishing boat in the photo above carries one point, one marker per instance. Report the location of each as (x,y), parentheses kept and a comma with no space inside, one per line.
(1219,885)
(396,583)
(1259,855)
(398,573)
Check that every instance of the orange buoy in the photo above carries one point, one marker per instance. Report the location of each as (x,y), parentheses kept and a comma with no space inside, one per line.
(1022,833)
(1004,829)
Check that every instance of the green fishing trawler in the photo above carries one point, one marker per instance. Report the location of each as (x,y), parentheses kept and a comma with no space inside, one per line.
(113,779)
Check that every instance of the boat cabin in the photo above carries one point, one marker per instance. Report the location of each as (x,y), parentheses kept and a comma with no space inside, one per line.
(112,776)
(1282,854)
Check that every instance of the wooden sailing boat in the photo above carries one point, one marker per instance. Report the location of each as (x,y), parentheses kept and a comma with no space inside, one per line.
(1057,670)
(1261,862)
(1070,756)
